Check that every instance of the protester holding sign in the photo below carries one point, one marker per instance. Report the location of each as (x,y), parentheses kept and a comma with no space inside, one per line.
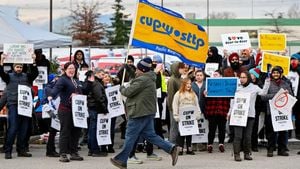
(214,56)
(17,124)
(97,104)
(66,87)
(198,87)
(244,132)
(276,83)
(258,78)
(293,76)
(216,109)
(79,61)
(185,96)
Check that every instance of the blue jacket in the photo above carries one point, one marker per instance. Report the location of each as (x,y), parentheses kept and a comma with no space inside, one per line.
(200,95)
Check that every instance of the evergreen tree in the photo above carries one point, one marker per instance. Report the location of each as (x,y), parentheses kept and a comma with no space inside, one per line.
(119,33)
(85,26)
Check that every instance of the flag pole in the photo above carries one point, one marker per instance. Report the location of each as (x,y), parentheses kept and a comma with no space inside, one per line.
(130,40)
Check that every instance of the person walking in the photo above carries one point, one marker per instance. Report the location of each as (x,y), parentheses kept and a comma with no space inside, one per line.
(141,109)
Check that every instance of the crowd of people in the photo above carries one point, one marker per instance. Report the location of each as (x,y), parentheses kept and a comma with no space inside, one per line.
(182,85)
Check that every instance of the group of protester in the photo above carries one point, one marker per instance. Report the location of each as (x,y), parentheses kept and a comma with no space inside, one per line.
(180,86)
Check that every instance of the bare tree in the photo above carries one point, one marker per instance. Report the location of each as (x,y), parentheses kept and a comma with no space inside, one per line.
(294,11)
(222,15)
(85,26)
(276,22)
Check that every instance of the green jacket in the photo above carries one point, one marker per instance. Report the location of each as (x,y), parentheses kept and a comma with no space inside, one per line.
(141,96)
(173,84)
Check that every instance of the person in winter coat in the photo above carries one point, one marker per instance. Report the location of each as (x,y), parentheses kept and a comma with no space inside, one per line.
(97,104)
(214,56)
(185,96)
(177,69)
(17,124)
(66,87)
(244,133)
(141,109)
(276,83)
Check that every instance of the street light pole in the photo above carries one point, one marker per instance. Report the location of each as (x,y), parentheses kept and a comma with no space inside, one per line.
(50,26)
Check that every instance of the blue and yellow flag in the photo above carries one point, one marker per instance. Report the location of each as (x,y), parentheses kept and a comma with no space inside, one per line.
(165,31)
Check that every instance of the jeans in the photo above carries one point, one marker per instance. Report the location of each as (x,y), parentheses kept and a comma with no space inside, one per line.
(92,138)
(17,126)
(144,127)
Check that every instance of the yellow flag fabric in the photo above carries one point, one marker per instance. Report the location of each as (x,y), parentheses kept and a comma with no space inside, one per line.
(165,31)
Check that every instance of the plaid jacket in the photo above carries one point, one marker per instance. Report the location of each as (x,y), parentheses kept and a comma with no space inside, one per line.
(217,106)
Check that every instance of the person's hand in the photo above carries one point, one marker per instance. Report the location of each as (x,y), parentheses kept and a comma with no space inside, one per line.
(225,52)
(33,56)
(205,93)
(73,94)
(49,98)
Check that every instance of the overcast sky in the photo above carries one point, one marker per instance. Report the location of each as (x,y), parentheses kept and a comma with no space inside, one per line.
(36,11)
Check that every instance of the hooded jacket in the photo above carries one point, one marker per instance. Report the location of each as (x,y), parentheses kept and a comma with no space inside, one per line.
(141,95)
(215,58)
(173,84)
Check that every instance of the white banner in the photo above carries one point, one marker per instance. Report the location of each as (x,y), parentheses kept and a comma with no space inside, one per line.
(79,111)
(294,78)
(280,121)
(25,104)
(103,129)
(42,78)
(239,113)
(210,68)
(202,137)
(18,53)
(236,41)
(188,124)
(283,102)
(115,104)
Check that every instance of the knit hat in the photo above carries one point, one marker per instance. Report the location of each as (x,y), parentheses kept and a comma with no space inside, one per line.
(255,71)
(157,58)
(145,64)
(296,56)
(51,77)
(233,55)
(15,64)
(278,69)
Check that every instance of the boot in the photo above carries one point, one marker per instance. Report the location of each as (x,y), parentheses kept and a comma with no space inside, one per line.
(237,157)
(76,157)
(236,151)
(247,156)
(270,152)
(64,158)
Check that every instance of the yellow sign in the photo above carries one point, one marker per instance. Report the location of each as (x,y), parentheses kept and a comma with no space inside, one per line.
(270,60)
(272,42)
(165,31)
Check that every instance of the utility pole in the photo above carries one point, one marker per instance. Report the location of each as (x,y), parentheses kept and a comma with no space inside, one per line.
(50,26)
